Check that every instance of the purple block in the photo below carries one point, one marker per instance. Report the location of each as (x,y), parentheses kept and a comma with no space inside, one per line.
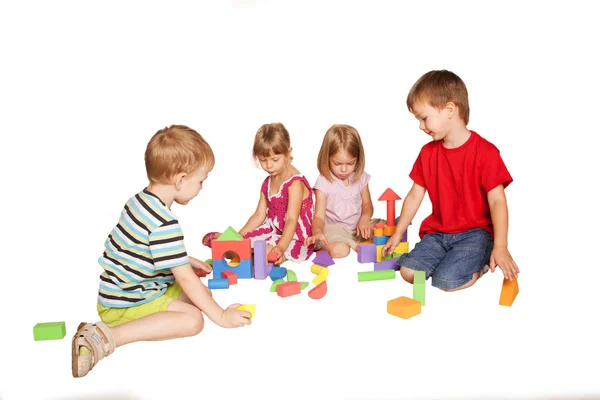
(261,269)
(367,253)
(405,236)
(386,264)
(323,259)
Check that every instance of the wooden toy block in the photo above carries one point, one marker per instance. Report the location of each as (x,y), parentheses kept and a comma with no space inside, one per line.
(386,264)
(316,269)
(291,276)
(230,234)
(251,308)
(218,283)
(390,197)
(377,231)
(321,277)
(366,276)
(230,276)
(288,289)
(261,267)
(243,270)
(510,290)
(401,248)
(389,230)
(278,273)
(275,284)
(240,247)
(49,331)
(419,287)
(272,257)
(404,307)
(318,291)
(323,259)
(379,256)
(367,253)
(380,240)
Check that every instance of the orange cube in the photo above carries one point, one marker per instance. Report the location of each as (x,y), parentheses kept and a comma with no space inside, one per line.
(404,307)
(509,292)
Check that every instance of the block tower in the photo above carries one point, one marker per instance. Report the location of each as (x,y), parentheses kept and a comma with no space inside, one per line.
(230,245)
(371,252)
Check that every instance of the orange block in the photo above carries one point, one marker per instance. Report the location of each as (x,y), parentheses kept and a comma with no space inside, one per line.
(389,230)
(404,307)
(289,289)
(510,290)
(377,231)
(230,276)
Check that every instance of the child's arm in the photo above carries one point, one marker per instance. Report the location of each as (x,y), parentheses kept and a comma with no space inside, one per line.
(500,255)
(363,228)
(201,297)
(407,213)
(258,217)
(318,222)
(295,194)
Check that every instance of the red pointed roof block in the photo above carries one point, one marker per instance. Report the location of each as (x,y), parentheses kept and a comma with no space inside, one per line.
(388,195)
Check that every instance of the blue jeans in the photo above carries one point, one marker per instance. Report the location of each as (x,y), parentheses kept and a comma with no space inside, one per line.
(450,259)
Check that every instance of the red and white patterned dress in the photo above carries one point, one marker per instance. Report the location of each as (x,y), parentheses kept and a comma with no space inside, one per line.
(272,229)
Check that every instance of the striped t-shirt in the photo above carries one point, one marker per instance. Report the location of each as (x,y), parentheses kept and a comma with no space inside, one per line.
(139,253)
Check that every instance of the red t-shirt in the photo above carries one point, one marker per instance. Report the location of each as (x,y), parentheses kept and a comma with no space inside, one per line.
(457,181)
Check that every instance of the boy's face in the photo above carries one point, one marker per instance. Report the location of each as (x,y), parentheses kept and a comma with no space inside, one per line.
(434,122)
(191,185)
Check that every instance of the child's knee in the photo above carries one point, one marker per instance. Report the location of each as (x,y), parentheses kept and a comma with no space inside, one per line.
(466,285)
(339,250)
(195,323)
(407,274)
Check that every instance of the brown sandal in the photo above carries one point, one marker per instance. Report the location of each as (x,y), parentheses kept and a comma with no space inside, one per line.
(98,339)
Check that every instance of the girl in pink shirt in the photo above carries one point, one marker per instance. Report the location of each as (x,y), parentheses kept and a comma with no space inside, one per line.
(285,208)
(343,207)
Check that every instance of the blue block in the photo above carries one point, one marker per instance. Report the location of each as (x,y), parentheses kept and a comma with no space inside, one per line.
(278,273)
(379,240)
(387,264)
(243,271)
(218,283)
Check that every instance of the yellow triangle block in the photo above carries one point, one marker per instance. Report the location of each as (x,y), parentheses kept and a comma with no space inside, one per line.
(251,308)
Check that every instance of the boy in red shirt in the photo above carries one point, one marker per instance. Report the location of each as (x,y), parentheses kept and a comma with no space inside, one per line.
(465,177)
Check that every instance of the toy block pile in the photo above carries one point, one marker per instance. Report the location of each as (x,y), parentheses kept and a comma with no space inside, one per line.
(292,287)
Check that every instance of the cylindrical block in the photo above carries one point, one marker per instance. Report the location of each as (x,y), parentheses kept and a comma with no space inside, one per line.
(376,275)
(218,283)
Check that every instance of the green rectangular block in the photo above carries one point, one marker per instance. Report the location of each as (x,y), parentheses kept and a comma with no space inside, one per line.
(49,331)
(376,275)
(419,287)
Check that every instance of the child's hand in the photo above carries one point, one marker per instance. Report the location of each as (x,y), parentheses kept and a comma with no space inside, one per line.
(391,244)
(501,258)
(315,239)
(280,258)
(201,265)
(232,318)
(364,228)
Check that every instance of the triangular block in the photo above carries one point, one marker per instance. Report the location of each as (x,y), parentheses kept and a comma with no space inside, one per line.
(323,259)
(230,234)
(388,195)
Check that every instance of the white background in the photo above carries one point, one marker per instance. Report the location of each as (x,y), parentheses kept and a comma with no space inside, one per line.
(83,86)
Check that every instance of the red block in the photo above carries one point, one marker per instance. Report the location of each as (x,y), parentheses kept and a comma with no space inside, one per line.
(200,273)
(230,276)
(272,257)
(289,289)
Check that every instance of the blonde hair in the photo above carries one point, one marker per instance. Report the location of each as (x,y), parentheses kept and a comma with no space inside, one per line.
(271,139)
(176,149)
(341,137)
(438,88)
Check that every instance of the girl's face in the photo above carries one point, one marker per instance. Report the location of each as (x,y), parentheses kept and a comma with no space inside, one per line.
(342,164)
(274,164)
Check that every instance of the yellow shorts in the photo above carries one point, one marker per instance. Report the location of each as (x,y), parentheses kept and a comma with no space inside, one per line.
(116,316)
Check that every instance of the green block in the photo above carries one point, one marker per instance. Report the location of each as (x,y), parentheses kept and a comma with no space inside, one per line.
(291,276)
(303,285)
(49,331)
(275,284)
(419,287)
(388,257)
(229,235)
(209,261)
(366,276)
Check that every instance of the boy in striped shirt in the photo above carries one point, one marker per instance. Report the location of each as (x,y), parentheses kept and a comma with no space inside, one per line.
(148,289)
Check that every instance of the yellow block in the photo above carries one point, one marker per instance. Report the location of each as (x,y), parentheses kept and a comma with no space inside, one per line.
(251,308)
(404,307)
(379,257)
(389,230)
(401,248)
(322,276)
(316,269)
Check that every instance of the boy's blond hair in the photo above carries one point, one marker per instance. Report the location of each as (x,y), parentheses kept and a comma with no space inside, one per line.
(341,137)
(174,150)
(271,139)
(438,88)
